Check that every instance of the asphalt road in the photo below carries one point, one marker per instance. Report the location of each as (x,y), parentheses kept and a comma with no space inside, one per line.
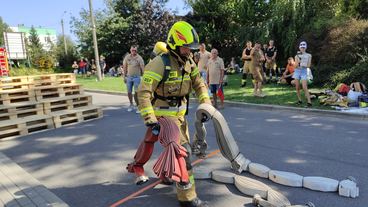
(84,164)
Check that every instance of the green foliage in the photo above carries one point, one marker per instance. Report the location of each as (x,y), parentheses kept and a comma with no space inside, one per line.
(3,28)
(126,23)
(358,73)
(65,61)
(39,57)
(355,8)
(29,71)
(344,42)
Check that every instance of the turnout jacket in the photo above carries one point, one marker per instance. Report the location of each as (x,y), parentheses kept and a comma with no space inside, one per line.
(159,97)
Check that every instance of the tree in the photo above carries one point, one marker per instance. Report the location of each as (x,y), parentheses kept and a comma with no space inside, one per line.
(126,23)
(3,28)
(39,57)
(34,40)
(65,61)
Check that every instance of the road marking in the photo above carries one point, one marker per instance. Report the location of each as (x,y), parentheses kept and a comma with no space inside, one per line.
(119,202)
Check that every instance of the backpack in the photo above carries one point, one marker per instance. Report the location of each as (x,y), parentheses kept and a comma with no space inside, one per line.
(358,87)
(342,89)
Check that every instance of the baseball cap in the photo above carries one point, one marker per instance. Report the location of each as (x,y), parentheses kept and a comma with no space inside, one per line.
(303,44)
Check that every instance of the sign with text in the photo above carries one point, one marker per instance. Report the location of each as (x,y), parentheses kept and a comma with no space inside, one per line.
(15,45)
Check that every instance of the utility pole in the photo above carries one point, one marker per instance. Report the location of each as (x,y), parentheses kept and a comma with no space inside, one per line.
(62,28)
(97,58)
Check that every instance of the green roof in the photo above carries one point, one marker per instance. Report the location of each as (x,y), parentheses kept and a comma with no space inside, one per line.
(39,30)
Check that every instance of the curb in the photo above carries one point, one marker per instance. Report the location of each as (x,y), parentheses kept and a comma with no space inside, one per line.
(267,107)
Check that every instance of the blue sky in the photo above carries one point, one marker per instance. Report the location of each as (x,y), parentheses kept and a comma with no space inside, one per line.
(48,13)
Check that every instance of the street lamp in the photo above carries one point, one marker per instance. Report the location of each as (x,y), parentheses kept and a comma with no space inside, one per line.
(62,28)
(95,41)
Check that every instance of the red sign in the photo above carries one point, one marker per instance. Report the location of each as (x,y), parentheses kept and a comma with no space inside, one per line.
(4,67)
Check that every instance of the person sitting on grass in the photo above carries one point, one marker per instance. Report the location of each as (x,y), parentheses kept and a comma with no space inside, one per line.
(303,61)
(286,77)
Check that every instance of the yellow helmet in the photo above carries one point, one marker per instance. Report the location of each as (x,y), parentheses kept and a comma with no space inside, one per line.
(160,47)
(182,34)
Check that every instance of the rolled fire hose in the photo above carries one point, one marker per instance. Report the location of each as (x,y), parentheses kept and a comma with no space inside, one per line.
(230,150)
(225,140)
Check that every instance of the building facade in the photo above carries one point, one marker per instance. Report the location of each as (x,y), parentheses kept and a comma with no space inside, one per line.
(47,36)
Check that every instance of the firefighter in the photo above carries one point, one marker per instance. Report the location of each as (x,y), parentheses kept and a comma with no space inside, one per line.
(246,67)
(167,81)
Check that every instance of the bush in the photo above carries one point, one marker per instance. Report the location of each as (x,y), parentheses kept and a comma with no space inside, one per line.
(29,71)
(344,42)
(358,73)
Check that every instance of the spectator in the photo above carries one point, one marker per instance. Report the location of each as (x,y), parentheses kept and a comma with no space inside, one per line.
(233,66)
(256,64)
(102,66)
(215,75)
(287,76)
(303,61)
(270,56)
(75,67)
(264,49)
(82,67)
(93,67)
(204,56)
(246,67)
(133,66)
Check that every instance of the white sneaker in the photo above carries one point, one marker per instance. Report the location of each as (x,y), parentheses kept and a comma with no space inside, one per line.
(137,111)
(130,108)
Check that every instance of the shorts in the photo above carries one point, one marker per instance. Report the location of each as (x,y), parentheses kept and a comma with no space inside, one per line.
(204,75)
(133,81)
(288,80)
(82,70)
(271,64)
(214,88)
(246,67)
(300,74)
(257,73)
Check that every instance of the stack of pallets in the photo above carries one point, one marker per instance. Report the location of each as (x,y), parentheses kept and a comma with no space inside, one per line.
(34,103)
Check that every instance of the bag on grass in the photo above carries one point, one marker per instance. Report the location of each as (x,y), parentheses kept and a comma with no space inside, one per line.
(342,89)
(358,87)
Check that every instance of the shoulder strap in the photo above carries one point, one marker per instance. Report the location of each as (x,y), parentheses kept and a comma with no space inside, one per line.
(166,59)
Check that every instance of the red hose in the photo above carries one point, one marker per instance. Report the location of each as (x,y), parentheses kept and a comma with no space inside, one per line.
(171,163)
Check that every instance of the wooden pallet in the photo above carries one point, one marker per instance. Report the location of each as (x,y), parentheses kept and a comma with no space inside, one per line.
(48,92)
(14,83)
(65,78)
(91,112)
(20,110)
(66,103)
(66,117)
(42,80)
(16,96)
(24,126)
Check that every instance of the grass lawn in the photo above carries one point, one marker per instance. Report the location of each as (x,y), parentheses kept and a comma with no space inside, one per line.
(276,94)
(107,84)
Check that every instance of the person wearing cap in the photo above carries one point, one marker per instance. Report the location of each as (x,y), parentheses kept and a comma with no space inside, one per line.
(164,92)
(303,61)
(133,66)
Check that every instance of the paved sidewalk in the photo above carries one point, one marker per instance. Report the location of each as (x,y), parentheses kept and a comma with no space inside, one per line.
(20,189)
